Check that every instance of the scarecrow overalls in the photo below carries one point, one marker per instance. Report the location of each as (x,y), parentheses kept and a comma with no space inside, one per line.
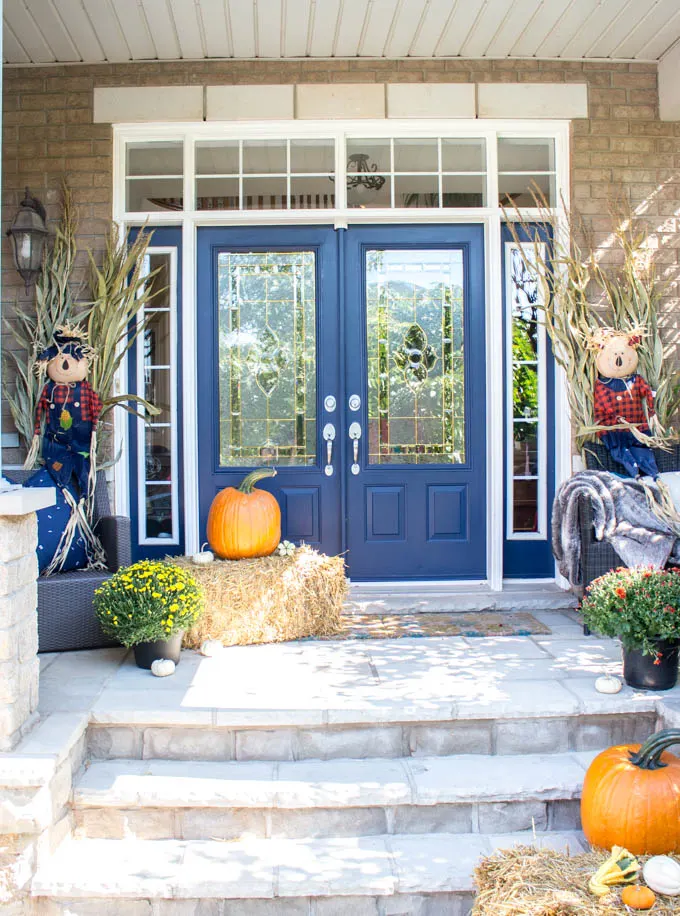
(71,411)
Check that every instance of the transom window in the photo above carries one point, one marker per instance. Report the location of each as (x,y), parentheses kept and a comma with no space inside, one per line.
(379,173)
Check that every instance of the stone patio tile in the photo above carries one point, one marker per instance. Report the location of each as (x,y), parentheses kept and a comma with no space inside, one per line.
(111,868)
(588,651)
(313,783)
(268,717)
(217,869)
(670,710)
(488,778)
(513,699)
(441,862)
(46,660)
(499,648)
(626,701)
(333,866)
(151,706)
(169,783)
(368,710)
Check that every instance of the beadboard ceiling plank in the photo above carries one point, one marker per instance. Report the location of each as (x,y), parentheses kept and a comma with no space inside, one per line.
(27,33)
(80,30)
(103,15)
(492,15)
(52,26)
(354,17)
(163,29)
(216,27)
(459,27)
(241,15)
(325,19)
(12,48)
(135,29)
(510,29)
(404,28)
(431,27)
(187,26)
(271,25)
(297,19)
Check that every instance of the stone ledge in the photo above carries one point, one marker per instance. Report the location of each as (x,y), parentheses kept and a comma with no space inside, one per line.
(24,500)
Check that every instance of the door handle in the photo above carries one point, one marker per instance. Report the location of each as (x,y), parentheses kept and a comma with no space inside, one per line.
(329,436)
(355,434)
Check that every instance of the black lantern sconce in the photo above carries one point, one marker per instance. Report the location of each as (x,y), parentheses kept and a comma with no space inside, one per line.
(28,234)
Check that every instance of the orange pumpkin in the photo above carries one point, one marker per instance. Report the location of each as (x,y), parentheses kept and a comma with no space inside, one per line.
(245,522)
(631,797)
(638,897)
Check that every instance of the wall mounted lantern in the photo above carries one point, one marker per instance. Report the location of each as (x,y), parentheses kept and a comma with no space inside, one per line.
(28,234)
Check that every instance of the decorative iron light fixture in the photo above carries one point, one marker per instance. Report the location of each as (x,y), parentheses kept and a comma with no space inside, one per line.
(28,234)
(360,173)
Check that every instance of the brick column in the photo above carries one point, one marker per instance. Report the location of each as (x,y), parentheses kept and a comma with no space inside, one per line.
(19,665)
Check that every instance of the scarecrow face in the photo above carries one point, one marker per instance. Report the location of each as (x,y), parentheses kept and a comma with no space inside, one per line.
(617,357)
(63,369)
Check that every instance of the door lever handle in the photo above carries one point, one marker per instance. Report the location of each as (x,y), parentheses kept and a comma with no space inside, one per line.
(329,436)
(354,433)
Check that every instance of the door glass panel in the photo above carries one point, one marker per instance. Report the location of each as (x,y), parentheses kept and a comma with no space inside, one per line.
(416,356)
(267,358)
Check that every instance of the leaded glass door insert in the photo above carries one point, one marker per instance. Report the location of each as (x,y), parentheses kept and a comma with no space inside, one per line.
(416,361)
(267,358)
(415,377)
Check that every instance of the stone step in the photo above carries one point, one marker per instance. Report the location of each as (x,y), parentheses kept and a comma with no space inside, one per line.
(452,598)
(167,799)
(366,876)
(499,725)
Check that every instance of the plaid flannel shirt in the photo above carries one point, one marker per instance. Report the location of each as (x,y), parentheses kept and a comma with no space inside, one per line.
(61,396)
(611,406)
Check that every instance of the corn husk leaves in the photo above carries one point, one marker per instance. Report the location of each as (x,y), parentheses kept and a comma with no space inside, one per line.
(570,278)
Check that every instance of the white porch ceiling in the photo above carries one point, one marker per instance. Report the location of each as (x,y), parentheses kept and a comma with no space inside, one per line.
(93,31)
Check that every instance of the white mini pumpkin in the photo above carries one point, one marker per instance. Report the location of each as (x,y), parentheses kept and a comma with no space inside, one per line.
(662,874)
(608,684)
(210,647)
(162,667)
(204,558)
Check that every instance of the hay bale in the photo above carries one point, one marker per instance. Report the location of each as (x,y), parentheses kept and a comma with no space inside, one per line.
(525,881)
(271,599)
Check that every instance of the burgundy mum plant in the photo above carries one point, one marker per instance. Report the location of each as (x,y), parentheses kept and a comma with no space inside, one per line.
(640,605)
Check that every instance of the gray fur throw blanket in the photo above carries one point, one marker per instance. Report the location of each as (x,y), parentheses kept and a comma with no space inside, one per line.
(622,514)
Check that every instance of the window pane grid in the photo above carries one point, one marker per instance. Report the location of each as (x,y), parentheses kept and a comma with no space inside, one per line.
(526,496)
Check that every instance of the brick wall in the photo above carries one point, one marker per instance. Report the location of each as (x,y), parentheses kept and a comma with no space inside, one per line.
(622,150)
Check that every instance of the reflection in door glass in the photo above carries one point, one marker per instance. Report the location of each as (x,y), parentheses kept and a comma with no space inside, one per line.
(416,365)
(267,358)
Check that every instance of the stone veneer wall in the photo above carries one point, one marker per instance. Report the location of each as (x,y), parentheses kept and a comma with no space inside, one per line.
(19,665)
(622,150)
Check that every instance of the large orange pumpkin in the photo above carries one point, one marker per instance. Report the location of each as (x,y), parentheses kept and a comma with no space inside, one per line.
(631,797)
(245,522)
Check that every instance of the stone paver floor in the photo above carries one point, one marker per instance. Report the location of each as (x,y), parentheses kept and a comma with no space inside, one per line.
(351,681)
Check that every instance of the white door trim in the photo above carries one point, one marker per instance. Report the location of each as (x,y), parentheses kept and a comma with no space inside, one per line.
(490,217)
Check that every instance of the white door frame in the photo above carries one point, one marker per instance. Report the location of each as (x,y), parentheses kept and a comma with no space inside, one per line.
(490,217)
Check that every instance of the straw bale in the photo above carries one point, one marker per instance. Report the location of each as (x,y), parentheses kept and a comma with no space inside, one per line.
(525,881)
(270,599)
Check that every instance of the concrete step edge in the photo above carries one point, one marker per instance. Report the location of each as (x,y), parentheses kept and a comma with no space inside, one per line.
(335,783)
(266,869)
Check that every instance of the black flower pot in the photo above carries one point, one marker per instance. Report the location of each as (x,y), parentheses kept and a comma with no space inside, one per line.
(148,652)
(641,672)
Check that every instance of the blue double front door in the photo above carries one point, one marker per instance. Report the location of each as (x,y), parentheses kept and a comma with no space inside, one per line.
(352,361)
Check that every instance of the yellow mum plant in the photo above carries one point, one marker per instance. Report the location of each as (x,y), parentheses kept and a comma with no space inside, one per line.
(149,600)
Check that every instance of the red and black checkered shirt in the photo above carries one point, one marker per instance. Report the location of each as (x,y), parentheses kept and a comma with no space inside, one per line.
(611,407)
(86,399)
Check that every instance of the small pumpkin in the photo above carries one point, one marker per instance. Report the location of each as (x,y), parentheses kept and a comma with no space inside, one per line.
(662,874)
(245,522)
(631,797)
(162,667)
(638,897)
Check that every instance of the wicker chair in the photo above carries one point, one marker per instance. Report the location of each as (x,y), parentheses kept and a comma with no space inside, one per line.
(598,557)
(65,617)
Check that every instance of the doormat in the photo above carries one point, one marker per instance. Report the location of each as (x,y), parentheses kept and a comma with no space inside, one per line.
(397,626)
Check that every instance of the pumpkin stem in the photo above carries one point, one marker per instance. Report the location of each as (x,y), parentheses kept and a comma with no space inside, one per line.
(249,482)
(647,758)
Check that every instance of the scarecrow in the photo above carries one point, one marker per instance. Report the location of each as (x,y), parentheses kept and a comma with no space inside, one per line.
(70,409)
(623,398)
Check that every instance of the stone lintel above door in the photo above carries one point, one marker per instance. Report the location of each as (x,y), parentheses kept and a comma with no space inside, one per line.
(340,101)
